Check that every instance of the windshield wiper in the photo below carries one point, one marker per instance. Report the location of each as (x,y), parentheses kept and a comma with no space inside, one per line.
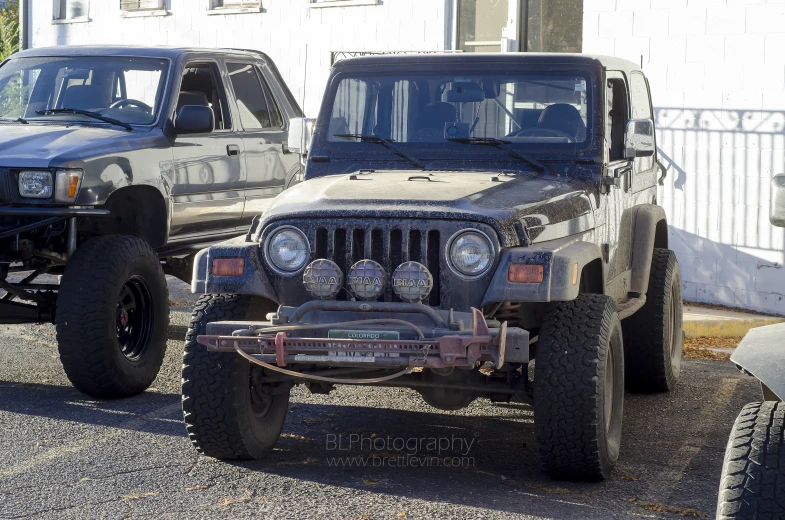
(387,143)
(504,145)
(15,120)
(94,115)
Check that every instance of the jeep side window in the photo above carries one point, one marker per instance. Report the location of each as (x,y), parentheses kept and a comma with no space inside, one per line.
(200,87)
(617,118)
(641,109)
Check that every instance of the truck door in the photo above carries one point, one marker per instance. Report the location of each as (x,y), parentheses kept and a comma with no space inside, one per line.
(208,176)
(263,132)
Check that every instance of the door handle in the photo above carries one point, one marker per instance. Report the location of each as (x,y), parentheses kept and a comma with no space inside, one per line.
(232,150)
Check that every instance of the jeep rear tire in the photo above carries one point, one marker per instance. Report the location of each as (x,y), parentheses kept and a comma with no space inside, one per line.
(579,388)
(753,473)
(225,416)
(653,337)
(112,317)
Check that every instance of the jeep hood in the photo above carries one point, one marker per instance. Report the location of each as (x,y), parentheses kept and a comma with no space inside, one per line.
(517,204)
(43,145)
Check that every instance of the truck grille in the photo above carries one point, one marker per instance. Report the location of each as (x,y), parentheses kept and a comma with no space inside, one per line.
(388,245)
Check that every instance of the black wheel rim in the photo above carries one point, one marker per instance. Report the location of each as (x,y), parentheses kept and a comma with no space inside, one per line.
(609,389)
(135,315)
(675,331)
(260,402)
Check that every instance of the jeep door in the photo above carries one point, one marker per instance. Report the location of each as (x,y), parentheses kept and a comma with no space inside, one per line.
(208,174)
(264,136)
(617,186)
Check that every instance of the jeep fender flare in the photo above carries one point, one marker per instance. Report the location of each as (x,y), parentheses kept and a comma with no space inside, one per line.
(651,230)
(760,355)
(253,280)
(560,260)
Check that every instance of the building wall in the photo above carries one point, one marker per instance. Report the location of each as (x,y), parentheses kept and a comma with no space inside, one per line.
(297,37)
(717,73)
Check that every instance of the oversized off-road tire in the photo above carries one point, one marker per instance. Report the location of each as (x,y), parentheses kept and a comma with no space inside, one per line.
(653,337)
(753,473)
(225,416)
(579,388)
(112,317)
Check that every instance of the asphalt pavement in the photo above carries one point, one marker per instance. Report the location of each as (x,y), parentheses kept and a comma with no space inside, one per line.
(359,453)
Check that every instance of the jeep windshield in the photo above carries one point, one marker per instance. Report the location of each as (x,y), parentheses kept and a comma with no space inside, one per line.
(438,114)
(123,90)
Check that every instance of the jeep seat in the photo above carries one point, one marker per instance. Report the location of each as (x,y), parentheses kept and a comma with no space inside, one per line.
(432,121)
(563,118)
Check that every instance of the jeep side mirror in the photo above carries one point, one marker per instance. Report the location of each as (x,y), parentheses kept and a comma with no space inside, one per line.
(639,138)
(777,216)
(194,119)
(300,133)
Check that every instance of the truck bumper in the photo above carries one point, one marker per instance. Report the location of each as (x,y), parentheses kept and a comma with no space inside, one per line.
(427,337)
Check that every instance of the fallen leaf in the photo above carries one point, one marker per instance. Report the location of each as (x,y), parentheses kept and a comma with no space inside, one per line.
(401,515)
(630,478)
(194,488)
(370,482)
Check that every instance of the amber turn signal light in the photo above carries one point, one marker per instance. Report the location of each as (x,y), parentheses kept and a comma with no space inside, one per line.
(228,267)
(524,273)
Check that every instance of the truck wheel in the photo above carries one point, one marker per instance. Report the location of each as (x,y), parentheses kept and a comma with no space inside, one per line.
(228,414)
(653,337)
(579,388)
(753,473)
(112,316)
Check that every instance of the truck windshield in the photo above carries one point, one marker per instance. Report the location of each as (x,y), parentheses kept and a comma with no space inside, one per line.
(126,89)
(530,110)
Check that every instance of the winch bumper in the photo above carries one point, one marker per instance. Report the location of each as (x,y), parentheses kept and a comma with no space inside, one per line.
(428,338)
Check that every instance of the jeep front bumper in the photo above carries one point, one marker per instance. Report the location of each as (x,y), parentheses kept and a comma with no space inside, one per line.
(422,337)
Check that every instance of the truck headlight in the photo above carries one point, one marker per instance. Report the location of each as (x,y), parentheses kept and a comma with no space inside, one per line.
(288,249)
(35,185)
(470,253)
(67,185)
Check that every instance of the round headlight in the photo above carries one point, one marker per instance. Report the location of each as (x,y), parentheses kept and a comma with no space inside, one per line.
(470,253)
(287,249)
(412,281)
(323,278)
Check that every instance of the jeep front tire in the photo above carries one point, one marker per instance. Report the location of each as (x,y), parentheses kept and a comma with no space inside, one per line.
(112,317)
(229,412)
(579,388)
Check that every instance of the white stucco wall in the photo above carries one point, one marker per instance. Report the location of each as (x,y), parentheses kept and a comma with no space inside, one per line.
(286,30)
(717,73)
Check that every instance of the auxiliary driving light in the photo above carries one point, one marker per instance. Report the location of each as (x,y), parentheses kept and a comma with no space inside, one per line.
(412,281)
(367,279)
(323,278)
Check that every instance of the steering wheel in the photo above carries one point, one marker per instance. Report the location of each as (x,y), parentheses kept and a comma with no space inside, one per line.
(543,132)
(122,103)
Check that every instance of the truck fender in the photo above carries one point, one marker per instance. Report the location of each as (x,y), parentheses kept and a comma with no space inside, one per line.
(560,260)
(761,354)
(253,281)
(650,222)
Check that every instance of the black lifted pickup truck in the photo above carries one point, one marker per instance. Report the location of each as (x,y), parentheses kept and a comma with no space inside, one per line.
(469,226)
(117,165)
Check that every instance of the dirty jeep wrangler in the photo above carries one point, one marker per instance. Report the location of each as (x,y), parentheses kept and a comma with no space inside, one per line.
(118,165)
(469,226)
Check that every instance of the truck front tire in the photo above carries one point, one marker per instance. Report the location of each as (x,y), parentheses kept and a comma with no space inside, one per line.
(225,415)
(579,388)
(753,473)
(112,317)
(653,337)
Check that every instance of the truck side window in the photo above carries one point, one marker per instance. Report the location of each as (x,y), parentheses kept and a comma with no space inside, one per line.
(617,117)
(641,109)
(251,101)
(276,119)
(200,87)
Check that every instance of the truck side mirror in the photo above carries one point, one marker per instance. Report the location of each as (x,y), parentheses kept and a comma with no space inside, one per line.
(194,119)
(300,133)
(639,138)
(777,216)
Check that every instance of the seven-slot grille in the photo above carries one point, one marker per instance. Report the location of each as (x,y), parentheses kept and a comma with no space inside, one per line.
(389,244)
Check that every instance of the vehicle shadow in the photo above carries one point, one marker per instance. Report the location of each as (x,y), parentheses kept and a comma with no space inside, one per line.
(150,412)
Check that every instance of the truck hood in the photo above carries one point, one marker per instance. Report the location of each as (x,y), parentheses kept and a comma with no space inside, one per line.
(43,146)
(521,206)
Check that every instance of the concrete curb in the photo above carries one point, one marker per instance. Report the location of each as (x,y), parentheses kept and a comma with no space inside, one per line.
(725,327)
